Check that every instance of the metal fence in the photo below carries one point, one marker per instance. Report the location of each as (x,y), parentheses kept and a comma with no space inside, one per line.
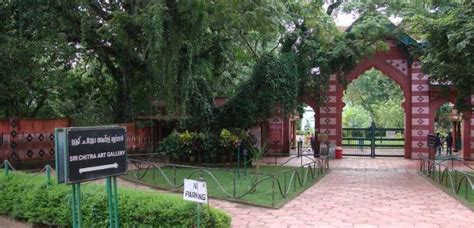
(372,142)
(456,175)
(240,184)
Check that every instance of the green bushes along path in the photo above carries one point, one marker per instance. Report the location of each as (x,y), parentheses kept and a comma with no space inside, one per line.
(28,197)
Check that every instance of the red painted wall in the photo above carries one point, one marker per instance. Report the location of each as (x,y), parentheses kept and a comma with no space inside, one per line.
(29,140)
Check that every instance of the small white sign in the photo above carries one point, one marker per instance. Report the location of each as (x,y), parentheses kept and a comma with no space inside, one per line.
(390,134)
(195,191)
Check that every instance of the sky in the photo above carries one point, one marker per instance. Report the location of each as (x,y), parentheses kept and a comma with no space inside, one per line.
(345,20)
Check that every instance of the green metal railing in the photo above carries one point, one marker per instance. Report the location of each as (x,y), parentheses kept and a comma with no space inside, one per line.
(458,179)
(7,167)
(282,182)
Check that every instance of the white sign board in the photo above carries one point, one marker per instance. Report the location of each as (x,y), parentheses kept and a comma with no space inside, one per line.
(195,191)
(390,134)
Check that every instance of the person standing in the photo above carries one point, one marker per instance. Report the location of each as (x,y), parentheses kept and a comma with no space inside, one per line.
(438,144)
(449,144)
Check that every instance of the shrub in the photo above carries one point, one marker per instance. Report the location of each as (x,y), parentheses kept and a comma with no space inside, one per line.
(28,197)
(170,146)
(206,146)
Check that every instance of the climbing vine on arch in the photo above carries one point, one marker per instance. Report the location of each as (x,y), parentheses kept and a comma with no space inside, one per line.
(273,85)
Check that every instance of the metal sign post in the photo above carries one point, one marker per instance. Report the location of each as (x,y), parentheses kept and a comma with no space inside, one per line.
(84,154)
(5,167)
(76,205)
(111,186)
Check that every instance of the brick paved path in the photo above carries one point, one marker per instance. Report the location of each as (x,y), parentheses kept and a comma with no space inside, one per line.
(361,192)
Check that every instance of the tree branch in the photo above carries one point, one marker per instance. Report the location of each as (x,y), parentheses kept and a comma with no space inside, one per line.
(333,6)
(248,46)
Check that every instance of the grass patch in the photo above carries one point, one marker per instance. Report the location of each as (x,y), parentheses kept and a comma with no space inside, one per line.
(267,192)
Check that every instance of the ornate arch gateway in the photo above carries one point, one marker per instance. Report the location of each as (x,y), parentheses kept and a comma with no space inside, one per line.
(420,104)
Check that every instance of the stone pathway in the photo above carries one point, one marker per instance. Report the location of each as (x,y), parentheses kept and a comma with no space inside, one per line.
(6,222)
(361,192)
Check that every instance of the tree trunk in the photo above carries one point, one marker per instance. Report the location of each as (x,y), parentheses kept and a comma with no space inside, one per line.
(122,105)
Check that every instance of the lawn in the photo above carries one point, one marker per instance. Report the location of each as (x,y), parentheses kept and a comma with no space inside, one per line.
(221,182)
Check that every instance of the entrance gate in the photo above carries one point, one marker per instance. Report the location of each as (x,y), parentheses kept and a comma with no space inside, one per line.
(372,142)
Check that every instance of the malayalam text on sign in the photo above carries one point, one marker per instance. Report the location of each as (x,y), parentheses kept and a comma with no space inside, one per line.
(96,153)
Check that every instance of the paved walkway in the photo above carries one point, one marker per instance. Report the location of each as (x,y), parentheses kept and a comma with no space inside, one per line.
(361,192)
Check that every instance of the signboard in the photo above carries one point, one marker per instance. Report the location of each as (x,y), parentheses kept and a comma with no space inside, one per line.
(431,141)
(256,133)
(276,132)
(195,191)
(95,153)
(390,134)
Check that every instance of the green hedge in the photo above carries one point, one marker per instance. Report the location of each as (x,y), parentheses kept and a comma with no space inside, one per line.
(28,197)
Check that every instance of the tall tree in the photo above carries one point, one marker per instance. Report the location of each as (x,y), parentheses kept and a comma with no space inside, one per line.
(377,96)
(448,56)
(153,50)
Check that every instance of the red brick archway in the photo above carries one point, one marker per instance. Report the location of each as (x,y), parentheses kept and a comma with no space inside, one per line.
(387,69)
(419,105)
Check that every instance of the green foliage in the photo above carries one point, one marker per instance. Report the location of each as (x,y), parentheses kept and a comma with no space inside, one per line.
(171,146)
(355,117)
(321,50)
(205,146)
(257,152)
(389,114)
(200,107)
(273,84)
(26,196)
(181,53)
(227,139)
(375,97)
(442,121)
(33,58)
(448,56)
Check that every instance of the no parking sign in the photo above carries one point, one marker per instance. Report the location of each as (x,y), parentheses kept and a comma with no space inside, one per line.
(195,191)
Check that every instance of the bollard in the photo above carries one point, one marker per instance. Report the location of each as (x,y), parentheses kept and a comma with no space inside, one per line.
(233,183)
(238,162)
(273,191)
(245,162)
(48,174)
(153,172)
(174,176)
(5,167)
